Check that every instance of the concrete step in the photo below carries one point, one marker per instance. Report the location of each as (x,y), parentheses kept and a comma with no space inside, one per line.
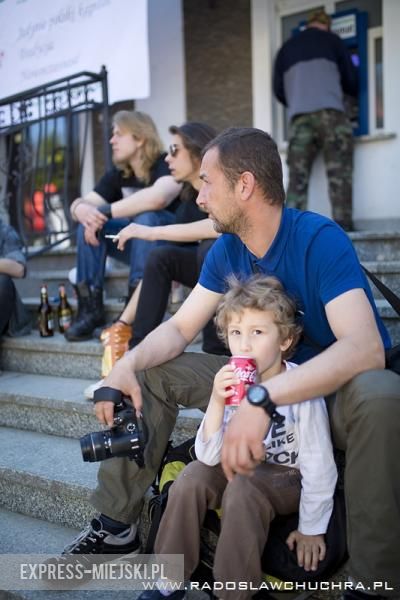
(374,246)
(46,404)
(25,535)
(387,272)
(56,406)
(115,284)
(57,258)
(51,356)
(21,534)
(55,356)
(113,308)
(370,245)
(390,319)
(44,476)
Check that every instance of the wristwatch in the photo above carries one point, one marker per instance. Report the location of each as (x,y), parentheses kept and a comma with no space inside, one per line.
(258,395)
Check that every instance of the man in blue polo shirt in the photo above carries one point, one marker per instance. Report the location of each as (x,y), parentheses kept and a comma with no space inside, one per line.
(342,353)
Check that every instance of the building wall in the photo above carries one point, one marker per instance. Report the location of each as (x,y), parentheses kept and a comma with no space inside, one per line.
(376,175)
(218,62)
(167,101)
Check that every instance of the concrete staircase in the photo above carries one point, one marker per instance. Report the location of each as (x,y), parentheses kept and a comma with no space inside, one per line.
(44,484)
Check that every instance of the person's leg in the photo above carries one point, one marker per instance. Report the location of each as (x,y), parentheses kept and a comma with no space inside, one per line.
(186,381)
(165,264)
(140,249)
(90,260)
(337,139)
(7,299)
(249,504)
(365,419)
(197,489)
(302,150)
(212,344)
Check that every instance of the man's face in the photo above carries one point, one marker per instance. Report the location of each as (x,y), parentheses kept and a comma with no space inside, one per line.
(182,166)
(217,197)
(124,146)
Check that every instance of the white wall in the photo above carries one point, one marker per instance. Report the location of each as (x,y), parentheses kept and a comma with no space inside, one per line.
(167,101)
(263,48)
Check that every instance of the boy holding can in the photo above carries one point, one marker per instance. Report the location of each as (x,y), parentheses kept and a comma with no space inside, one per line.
(258,321)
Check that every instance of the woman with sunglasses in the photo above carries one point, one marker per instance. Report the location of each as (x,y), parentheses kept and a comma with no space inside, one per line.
(180,260)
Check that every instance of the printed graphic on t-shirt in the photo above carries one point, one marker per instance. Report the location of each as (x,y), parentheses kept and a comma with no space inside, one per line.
(280,445)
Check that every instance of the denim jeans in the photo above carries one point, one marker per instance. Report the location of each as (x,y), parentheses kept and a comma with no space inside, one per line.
(7,298)
(165,265)
(91,260)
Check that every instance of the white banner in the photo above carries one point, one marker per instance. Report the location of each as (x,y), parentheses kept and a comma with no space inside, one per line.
(44,40)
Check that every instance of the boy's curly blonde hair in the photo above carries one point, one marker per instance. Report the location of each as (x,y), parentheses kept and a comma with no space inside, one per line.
(259,293)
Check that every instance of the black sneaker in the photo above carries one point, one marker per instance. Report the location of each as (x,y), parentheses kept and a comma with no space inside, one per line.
(96,540)
(93,546)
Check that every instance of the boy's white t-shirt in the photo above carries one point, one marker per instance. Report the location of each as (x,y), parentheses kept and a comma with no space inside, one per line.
(302,441)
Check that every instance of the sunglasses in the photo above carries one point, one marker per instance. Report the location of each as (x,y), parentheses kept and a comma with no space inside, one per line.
(173,150)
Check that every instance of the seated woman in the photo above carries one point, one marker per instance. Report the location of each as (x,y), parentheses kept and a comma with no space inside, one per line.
(179,261)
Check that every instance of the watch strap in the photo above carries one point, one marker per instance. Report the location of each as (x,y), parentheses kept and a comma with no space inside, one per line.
(271,410)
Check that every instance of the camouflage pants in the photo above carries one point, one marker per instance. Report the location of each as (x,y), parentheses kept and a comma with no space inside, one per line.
(328,131)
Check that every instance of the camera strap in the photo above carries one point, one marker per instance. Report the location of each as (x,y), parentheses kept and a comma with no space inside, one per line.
(107,394)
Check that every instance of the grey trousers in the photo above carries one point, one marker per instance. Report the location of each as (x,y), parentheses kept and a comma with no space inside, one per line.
(248,504)
(365,421)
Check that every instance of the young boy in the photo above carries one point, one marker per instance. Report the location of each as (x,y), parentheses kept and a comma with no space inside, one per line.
(257,320)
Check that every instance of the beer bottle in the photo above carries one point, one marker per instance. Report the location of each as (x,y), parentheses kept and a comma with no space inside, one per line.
(64,311)
(45,314)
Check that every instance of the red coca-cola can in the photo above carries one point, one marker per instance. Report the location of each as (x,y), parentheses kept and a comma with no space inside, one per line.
(246,371)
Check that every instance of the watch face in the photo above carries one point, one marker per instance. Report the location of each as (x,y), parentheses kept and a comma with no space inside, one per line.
(257,394)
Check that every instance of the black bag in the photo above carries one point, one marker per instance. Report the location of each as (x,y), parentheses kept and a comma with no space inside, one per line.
(392,355)
(278,561)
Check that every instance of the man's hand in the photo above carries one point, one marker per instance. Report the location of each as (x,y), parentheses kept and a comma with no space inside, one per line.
(310,549)
(89,216)
(243,447)
(90,236)
(134,230)
(122,377)
(223,382)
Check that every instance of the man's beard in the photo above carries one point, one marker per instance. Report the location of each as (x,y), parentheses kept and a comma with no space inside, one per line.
(235,223)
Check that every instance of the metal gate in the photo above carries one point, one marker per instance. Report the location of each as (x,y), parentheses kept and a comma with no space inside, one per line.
(44,135)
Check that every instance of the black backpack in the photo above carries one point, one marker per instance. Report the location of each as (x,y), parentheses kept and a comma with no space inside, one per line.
(279,563)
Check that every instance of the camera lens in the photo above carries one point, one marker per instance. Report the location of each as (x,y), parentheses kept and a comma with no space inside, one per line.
(95,446)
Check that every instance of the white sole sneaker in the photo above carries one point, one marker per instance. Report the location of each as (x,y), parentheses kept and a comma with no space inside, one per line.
(90,390)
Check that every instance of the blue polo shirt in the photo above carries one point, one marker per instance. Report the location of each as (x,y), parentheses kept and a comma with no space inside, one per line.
(315,261)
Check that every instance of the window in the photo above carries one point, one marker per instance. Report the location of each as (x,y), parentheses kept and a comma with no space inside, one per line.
(375,79)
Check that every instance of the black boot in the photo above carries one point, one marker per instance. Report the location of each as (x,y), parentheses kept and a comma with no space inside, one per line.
(90,313)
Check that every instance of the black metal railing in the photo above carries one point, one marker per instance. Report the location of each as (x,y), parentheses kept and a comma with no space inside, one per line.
(44,136)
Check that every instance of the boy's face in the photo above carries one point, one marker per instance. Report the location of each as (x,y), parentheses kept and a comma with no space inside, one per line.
(254,333)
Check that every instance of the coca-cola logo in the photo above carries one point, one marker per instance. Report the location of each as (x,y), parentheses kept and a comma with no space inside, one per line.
(246,375)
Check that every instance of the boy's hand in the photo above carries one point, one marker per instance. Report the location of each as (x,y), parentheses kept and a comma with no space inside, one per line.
(223,381)
(310,549)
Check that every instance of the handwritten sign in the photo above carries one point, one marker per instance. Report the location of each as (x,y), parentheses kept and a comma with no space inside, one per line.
(44,40)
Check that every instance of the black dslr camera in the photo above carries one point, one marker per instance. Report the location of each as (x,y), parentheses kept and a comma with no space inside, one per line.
(127,437)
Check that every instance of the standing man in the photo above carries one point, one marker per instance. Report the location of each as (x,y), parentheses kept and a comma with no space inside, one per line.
(342,353)
(14,317)
(312,72)
(140,189)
